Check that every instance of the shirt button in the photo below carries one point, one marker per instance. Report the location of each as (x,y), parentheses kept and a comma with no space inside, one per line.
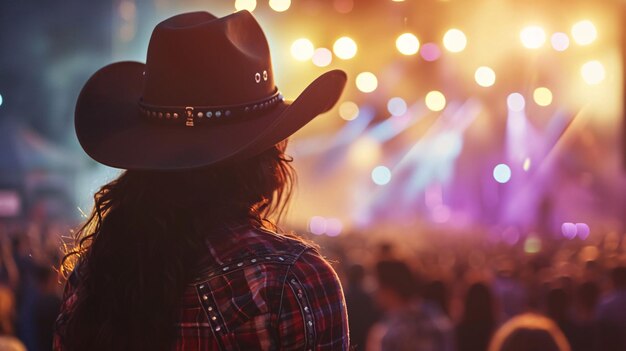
(213,318)
(210,308)
(205,297)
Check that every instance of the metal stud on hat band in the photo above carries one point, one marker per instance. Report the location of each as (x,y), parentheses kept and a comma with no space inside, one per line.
(194,114)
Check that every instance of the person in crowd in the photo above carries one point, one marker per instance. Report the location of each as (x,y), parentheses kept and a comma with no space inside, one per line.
(478,320)
(529,332)
(408,323)
(611,314)
(8,341)
(559,309)
(587,295)
(436,293)
(47,306)
(181,251)
(509,291)
(361,307)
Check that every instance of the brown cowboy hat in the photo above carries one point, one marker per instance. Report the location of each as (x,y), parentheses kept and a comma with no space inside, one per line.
(205,95)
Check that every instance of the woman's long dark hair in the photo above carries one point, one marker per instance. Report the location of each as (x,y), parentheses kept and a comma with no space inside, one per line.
(137,251)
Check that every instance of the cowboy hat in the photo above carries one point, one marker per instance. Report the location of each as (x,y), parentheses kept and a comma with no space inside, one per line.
(205,95)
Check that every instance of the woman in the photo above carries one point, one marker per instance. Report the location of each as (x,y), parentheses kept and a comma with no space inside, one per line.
(478,321)
(178,253)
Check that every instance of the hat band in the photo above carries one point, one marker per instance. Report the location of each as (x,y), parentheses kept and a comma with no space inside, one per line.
(200,114)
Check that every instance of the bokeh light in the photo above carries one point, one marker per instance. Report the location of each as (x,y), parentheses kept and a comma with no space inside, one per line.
(1,100)
(582,230)
(348,110)
(407,44)
(533,37)
(568,230)
(396,106)
(435,100)
(249,5)
(502,173)
(317,225)
(322,57)
(430,52)
(381,175)
(302,49)
(532,245)
(454,40)
(345,48)
(593,72)
(280,5)
(527,164)
(559,41)
(365,152)
(366,82)
(584,32)
(333,226)
(542,96)
(515,102)
(485,76)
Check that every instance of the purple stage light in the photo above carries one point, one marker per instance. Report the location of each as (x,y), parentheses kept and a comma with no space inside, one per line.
(569,230)
(430,52)
(582,230)
(318,225)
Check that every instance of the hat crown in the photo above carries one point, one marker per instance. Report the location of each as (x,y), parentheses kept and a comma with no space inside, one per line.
(196,59)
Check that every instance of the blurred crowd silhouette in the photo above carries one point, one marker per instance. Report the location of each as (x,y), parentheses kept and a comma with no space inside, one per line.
(444,293)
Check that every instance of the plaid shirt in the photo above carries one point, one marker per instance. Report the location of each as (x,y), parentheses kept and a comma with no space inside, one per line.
(260,291)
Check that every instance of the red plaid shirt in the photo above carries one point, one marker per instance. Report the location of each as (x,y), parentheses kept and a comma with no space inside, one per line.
(260,291)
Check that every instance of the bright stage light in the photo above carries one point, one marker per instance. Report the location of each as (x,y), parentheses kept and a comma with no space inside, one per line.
(365,152)
(333,227)
(532,245)
(366,82)
(435,101)
(430,52)
(345,48)
(502,173)
(582,230)
(280,5)
(515,102)
(584,32)
(454,40)
(318,225)
(485,76)
(542,96)
(533,37)
(381,175)
(407,44)
(560,41)
(1,100)
(569,230)
(527,164)
(302,49)
(322,57)
(348,110)
(249,5)
(593,72)
(396,106)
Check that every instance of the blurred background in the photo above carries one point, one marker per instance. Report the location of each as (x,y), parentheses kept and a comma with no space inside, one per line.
(477,141)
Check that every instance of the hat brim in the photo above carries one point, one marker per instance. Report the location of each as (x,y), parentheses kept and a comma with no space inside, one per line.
(111,130)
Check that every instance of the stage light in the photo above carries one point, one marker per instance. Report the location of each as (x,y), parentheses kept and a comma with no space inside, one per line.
(515,102)
(569,230)
(322,57)
(593,72)
(582,230)
(280,5)
(396,106)
(345,48)
(366,82)
(542,96)
(348,110)
(407,44)
(532,245)
(317,225)
(560,41)
(302,49)
(584,32)
(430,52)
(454,40)
(1,100)
(249,5)
(364,152)
(435,101)
(381,175)
(485,76)
(526,165)
(502,173)
(333,227)
(533,37)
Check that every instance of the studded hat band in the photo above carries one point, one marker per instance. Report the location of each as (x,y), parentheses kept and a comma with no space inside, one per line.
(192,115)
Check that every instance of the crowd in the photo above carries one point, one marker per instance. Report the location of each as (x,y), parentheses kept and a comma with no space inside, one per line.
(445,293)
(474,294)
